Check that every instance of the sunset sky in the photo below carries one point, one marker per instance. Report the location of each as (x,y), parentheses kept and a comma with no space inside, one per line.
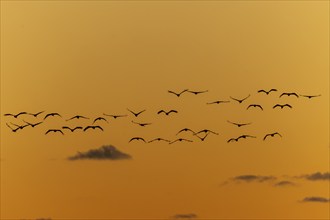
(89,58)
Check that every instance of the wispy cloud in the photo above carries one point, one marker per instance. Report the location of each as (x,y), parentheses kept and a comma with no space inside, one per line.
(284,183)
(252,178)
(316,176)
(316,199)
(108,152)
(185,216)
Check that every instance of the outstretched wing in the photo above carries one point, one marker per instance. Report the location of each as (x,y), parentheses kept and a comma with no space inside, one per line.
(161,111)
(174,111)
(266,136)
(262,91)
(177,94)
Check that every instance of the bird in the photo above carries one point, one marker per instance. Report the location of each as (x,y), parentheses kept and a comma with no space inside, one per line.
(141,124)
(255,105)
(217,102)
(246,136)
(206,131)
(99,119)
(32,125)
(136,114)
(19,126)
(232,139)
(168,112)
(289,94)
(272,135)
(72,129)
(36,114)
(197,92)
(137,138)
(158,139)
(282,106)
(240,100)
(12,129)
(267,92)
(115,116)
(77,117)
(52,114)
(185,129)
(203,138)
(93,127)
(180,139)
(310,96)
(178,94)
(54,130)
(239,124)
(15,116)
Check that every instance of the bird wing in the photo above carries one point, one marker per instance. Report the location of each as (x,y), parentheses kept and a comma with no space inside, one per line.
(174,141)
(49,131)
(98,127)
(8,114)
(283,94)
(140,112)
(266,136)
(278,134)
(259,107)
(277,105)
(261,90)
(87,128)
(60,131)
(295,94)
(249,106)
(174,92)
(185,90)
(288,105)
(175,111)
(160,111)
(235,99)
(273,90)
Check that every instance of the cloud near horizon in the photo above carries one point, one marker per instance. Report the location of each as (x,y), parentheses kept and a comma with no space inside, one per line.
(253,178)
(185,216)
(107,152)
(316,199)
(284,183)
(316,176)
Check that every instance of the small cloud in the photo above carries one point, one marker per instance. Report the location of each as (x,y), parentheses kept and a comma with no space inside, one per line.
(253,178)
(103,153)
(316,199)
(316,176)
(185,216)
(284,183)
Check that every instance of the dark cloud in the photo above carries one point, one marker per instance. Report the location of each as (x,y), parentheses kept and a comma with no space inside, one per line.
(103,153)
(316,176)
(284,183)
(253,178)
(316,199)
(185,216)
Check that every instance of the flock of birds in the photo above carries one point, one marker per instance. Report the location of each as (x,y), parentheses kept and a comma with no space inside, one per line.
(201,135)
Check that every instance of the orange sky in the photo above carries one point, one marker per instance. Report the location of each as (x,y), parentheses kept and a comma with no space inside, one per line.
(90,58)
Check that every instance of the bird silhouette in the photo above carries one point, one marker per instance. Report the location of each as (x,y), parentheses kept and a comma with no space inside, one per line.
(282,106)
(115,116)
(93,127)
(32,125)
(136,114)
(72,129)
(168,112)
(185,130)
(19,126)
(197,92)
(54,130)
(52,114)
(289,94)
(12,129)
(36,114)
(15,116)
(180,139)
(310,96)
(242,136)
(217,102)
(158,139)
(246,136)
(77,117)
(255,105)
(206,131)
(232,139)
(203,138)
(100,119)
(267,92)
(272,135)
(178,94)
(137,138)
(240,100)
(239,124)
(141,124)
